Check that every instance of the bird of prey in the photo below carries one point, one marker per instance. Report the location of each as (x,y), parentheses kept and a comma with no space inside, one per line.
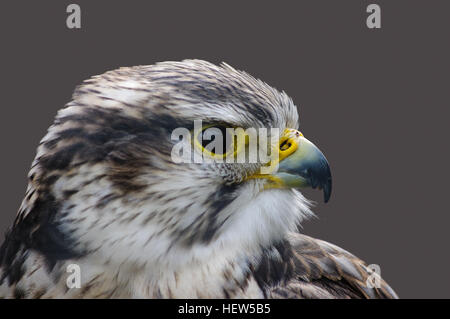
(105,194)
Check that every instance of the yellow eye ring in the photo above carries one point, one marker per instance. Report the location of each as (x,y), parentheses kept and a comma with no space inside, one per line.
(238,141)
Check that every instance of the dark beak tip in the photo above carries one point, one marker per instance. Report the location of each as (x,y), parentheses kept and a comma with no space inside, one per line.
(327,191)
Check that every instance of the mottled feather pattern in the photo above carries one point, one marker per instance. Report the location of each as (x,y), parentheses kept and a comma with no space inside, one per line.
(323,270)
(104,193)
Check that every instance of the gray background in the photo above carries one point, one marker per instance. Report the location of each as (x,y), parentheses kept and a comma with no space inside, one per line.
(375,101)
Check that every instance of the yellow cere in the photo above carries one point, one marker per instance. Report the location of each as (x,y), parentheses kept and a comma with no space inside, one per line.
(287,146)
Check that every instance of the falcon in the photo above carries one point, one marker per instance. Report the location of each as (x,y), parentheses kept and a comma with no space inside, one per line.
(108,194)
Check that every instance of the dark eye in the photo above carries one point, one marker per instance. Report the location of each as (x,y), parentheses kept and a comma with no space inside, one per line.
(216,139)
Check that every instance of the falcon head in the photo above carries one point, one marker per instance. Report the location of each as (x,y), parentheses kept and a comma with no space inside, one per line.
(110,182)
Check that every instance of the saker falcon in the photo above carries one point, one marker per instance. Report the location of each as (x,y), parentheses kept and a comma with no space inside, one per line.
(106,194)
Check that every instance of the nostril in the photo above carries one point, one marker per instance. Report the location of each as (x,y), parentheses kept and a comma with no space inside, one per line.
(285,145)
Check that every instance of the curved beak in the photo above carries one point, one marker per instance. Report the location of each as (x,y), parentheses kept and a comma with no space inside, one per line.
(305,167)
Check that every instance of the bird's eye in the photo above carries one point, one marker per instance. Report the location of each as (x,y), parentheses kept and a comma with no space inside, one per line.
(218,141)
